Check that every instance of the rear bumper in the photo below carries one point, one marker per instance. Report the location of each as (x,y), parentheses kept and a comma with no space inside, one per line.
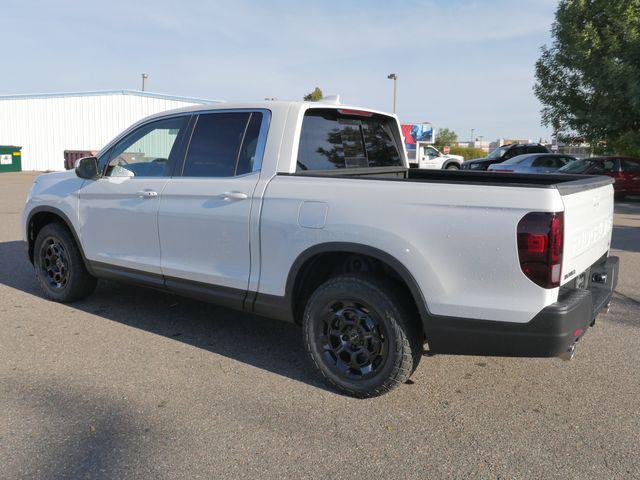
(549,334)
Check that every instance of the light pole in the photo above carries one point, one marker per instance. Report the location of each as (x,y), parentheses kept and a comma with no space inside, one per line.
(472,130)
(144,81)
(394,77)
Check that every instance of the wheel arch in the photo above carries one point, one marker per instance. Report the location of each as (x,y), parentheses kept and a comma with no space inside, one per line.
(451,161)
(303,264)
(44,215)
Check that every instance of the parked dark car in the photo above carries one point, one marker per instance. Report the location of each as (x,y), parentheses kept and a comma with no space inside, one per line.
(503,153)
(533,163)
(625,171)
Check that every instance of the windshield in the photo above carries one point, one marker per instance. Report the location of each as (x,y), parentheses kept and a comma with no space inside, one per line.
(578,166)
(498,152)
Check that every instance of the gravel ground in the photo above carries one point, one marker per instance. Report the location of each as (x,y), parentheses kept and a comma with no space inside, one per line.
(134,383)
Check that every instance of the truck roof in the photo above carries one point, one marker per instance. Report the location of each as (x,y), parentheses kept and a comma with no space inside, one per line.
(268,105)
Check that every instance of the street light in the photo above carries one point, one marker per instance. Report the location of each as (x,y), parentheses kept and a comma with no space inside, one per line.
(394,77)
(472,139)
(144,81)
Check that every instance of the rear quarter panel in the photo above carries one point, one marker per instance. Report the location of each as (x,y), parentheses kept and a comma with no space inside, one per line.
(457,240)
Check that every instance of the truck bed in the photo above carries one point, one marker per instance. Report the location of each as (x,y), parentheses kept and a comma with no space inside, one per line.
(566,184)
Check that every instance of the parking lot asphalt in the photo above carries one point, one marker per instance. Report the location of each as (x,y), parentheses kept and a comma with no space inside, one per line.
(136,383)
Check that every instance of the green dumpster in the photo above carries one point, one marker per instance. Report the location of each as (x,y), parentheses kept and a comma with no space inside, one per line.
(10,159)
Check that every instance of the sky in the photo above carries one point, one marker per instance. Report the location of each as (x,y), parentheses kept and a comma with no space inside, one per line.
(461,64)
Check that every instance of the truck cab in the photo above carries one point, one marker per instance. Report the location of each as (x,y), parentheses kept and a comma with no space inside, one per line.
(429,157)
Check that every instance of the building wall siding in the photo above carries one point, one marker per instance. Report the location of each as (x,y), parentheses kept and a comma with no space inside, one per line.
(46,127)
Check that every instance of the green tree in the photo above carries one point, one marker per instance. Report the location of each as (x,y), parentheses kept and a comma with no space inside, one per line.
(445,137)
(588,80)
(314,96)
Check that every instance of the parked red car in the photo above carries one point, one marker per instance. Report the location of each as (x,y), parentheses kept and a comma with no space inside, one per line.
(625,170)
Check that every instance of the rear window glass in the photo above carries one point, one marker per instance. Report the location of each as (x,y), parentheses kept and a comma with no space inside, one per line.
(516,160)
(331,140)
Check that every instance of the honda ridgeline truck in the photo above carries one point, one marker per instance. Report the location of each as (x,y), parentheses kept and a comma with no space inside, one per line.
(308,212)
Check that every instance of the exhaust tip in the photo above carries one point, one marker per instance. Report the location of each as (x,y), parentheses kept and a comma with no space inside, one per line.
(569,354)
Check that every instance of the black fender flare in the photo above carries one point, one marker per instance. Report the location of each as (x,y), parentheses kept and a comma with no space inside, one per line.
(361,249)
(63,216)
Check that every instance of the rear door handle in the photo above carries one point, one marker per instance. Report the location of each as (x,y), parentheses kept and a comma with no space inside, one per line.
(234,196)
(146,194)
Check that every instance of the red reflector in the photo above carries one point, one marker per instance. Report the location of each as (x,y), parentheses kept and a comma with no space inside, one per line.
(360,113)
(536,243)
(577,332)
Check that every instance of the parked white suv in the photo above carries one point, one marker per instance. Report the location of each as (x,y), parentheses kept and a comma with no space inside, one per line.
(307,212)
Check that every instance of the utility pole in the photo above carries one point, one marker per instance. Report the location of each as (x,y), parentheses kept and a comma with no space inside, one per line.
(394,77)
(472,139)
(144,81)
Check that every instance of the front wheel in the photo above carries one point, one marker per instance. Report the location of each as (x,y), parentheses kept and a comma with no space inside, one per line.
(361,336)
(453,166)
(59,267)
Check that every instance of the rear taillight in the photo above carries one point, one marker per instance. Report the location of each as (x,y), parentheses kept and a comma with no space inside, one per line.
(540,245)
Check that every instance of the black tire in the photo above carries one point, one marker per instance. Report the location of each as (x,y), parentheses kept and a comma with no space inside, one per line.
(453,166)
(374,315)
(59,266)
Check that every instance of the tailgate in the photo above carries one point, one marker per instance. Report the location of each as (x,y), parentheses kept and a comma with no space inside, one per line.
(588,222)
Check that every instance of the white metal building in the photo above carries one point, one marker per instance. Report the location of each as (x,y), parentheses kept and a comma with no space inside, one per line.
(45,125)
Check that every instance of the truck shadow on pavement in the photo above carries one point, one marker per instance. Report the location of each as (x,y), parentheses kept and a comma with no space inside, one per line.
(268,344)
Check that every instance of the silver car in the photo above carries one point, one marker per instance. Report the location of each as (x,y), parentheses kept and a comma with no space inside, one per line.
(533,163)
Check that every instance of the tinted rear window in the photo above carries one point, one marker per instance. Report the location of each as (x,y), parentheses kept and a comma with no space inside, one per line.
(331,140)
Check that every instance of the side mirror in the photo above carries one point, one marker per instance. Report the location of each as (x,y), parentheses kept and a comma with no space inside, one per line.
(87,167)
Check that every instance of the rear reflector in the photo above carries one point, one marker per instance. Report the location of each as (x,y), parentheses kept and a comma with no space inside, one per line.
(540,247)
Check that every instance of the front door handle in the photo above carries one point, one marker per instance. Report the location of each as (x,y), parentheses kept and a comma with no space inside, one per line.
(146,194)
(234,196)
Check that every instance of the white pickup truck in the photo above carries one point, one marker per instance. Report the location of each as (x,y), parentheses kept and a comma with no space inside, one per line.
(429,157)
(308,212)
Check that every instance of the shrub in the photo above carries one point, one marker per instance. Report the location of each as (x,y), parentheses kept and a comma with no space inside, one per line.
(468,152)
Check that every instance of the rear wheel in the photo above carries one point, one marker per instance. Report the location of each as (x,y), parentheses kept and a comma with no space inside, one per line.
(59,267)
(361,336)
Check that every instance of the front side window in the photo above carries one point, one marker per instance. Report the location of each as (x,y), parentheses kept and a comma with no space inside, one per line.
(330,140)
(606,166)
(149,151)
(223,145)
